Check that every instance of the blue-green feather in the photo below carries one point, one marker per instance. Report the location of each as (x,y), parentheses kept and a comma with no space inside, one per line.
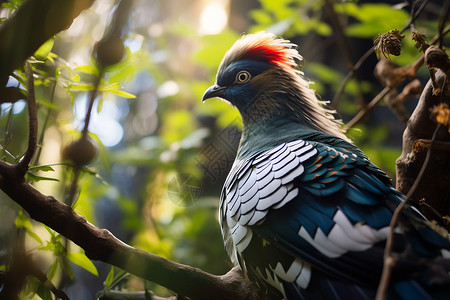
(334,189)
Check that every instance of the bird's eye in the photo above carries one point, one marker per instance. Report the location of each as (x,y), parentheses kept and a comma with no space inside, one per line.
(243,77)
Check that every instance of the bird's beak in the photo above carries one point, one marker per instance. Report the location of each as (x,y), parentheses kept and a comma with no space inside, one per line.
(214,91)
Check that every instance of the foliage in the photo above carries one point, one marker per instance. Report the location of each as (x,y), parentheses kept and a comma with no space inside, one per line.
(150,105)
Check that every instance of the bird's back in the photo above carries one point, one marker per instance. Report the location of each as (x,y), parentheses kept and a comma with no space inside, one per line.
(311,219)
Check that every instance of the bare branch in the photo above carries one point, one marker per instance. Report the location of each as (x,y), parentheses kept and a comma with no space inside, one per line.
(100,244)
(391,78)
(349,76)
(397,102)
(22,165)
(367,109)
(366,55)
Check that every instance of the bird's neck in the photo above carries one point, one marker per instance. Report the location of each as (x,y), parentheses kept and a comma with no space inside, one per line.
(262,134)
(259,135)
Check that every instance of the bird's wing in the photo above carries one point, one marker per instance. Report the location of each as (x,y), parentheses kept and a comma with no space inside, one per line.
(305,204)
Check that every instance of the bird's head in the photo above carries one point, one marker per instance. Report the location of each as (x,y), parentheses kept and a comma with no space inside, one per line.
(259,76)
(250,71)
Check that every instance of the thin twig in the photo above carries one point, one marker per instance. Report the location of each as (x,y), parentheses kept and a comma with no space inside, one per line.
(415,65)
(91,104)
(349,76)
(74,186)
(441,34)
(339,30)
(367,109)
(389,261)
(442,20)
(44,126)
(366,55)
(70,200)
(415,16)
(22,165)
(8,134)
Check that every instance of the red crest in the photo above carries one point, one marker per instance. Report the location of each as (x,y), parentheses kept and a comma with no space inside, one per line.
(265,47)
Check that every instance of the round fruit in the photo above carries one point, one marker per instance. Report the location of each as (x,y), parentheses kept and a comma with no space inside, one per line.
(81,152)
(109,51)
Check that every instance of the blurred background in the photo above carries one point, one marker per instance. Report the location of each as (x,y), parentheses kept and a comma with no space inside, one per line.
(164,155)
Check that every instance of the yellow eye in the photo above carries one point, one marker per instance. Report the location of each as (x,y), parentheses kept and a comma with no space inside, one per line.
(243,77)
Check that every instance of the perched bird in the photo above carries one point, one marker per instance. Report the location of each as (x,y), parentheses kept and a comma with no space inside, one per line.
(303,211)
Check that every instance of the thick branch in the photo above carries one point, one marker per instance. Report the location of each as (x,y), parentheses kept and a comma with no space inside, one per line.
(435,184)
(34,23)
(100,244)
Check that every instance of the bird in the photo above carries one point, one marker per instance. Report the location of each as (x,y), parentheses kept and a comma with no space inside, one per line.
(304,212)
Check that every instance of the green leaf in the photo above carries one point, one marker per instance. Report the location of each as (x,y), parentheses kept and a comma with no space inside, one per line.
(113,86)
(122,94)
(95,174)
(50,232)
(52,270)
(22,221)
(76,78)
(44,50)
(100,104)
(81,260)
(81,87)
(374,18)
(43,168)
(109,278)
(87,69)
(44,293)
(35,178)
(48,247)
(51,57)
(48,104)
(35,236)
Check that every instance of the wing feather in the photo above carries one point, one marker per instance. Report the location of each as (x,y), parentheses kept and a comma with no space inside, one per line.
(317,207)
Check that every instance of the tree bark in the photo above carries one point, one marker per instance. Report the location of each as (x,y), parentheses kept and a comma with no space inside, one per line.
(434,186)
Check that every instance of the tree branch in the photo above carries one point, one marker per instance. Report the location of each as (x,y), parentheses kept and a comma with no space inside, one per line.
(22,165)
(391,78)
(100,244)
(435,186)
(367,109)
(366,55)
(21,35)
(389,257)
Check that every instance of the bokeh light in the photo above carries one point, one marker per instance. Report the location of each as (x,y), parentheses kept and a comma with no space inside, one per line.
(213,18)
(105,124)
